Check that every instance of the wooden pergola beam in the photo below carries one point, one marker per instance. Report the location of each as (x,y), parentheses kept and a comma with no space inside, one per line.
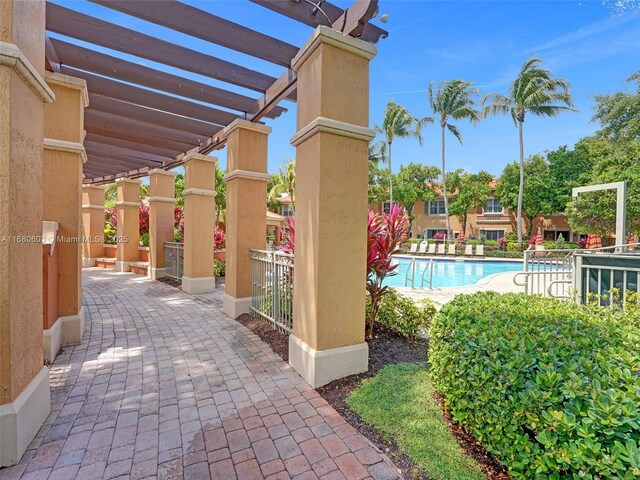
(132,146)
(148,115)
(206,26)
(303,12)
(89,29)
(51,55)
(84,59)
(159,101)
(106,149)
(97,158)
(103,119)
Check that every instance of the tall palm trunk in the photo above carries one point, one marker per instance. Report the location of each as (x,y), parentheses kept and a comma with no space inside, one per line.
(521,187)
(444,188)
(390,179)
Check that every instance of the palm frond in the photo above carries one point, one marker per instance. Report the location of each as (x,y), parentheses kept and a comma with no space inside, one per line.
(456,133)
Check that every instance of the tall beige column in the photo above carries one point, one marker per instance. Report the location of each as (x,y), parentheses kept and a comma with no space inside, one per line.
(246,209)
(331,204)
(199,224)
(92,224)
(24,382)
(161,210)
(64,157)
(128,214)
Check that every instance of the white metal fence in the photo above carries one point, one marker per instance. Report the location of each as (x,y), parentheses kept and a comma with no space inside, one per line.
(547,273)
(174,260)
(272,288)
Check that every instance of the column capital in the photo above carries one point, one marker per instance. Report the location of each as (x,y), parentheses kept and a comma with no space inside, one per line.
(159,171)
(68,81)
(248,174)
(246,125)
(327,35)
(128,180)
(11,56)
(66,146)
(198,191)
(200,157)
(96,187)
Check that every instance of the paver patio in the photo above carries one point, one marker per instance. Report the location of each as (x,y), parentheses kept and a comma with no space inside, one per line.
(166,386)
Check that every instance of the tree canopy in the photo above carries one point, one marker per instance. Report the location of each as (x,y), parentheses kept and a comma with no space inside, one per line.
(619,113)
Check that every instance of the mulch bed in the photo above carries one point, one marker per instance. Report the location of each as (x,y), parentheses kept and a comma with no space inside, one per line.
(386,348)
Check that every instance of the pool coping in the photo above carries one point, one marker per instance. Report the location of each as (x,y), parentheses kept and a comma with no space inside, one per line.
(460,258)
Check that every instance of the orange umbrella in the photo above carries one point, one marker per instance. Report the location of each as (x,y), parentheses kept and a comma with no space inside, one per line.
(539,237)
(594,241)
(461,236)
(632,239)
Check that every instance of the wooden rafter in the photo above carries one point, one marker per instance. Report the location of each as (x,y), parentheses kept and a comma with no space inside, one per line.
(89,29)
(84,59)
(132,146)
(124,152)
(206,26)
(147,98)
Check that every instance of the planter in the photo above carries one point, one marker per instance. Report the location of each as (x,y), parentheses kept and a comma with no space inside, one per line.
(220,255)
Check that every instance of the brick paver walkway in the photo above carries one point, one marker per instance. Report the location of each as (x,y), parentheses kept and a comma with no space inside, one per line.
(166,386)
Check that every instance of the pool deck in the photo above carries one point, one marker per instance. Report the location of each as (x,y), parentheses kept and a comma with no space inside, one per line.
(499,282)
(459,258)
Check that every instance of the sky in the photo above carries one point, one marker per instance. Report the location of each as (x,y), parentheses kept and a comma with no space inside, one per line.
(593,44)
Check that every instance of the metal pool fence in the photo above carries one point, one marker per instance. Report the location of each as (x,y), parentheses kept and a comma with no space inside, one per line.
(272,288)
(174,260)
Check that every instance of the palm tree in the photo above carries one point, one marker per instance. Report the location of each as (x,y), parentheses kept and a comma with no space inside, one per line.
(285,183)
(452,99)
(398,122)
(533,91)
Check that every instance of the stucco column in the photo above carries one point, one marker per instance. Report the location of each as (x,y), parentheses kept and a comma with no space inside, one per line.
(128,215)
(161,207)
(64,157)
(246,209)
(92,224)
(24,382)
(331,207)
(199,223)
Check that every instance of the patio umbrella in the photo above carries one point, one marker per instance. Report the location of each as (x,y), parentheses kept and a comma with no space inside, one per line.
(461,236)
(539,237)
(594,241)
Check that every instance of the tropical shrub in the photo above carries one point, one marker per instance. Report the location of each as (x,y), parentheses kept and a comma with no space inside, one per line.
(491,243)
(550,388)
(384,233)
(512,246)
(110,225)
(502,243)
(289,236)
(504,253)
(143,220)
(218,268)
(144,239)
(404,316)
(219,239)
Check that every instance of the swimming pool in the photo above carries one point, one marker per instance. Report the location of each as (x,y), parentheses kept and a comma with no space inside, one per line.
(449,273)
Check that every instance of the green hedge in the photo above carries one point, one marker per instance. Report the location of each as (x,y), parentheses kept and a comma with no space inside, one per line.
(503,254)
(403,315)
(550,388)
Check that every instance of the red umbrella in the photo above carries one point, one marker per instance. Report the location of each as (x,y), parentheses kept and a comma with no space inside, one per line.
(539,240)
(594,241)
(461,236)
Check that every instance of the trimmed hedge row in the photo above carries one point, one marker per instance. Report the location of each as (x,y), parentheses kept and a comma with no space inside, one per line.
(550,388)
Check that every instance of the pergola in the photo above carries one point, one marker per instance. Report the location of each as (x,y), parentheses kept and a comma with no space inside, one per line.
(73,118)
(131,129)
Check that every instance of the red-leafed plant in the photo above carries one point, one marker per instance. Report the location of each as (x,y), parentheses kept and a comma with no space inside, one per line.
(111,217)
(219,239)
(143,219)
(178,222)
(384,234)
(289,236)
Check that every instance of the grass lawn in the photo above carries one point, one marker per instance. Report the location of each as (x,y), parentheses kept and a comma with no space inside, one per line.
(399,402)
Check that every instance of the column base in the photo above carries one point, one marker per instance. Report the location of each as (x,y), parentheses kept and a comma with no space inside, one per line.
(234,307)
(88,262)
(321,367)
(122,266)
(156,273)
(21,419)
(198,285)
(52,341)
(72,328)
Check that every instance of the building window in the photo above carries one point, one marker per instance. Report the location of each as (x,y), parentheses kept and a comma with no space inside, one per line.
(386,207)
(555,234)
(431,232)
(287,211)
(492,234)
(493,207)
(435,207)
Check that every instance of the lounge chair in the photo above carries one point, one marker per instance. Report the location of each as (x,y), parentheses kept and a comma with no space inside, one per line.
(452,249)
(468,250)
(441,247)
(413,248)
(480,250)
(432,249)
(423,247)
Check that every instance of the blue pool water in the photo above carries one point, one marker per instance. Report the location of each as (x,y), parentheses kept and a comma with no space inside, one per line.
(449,273)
